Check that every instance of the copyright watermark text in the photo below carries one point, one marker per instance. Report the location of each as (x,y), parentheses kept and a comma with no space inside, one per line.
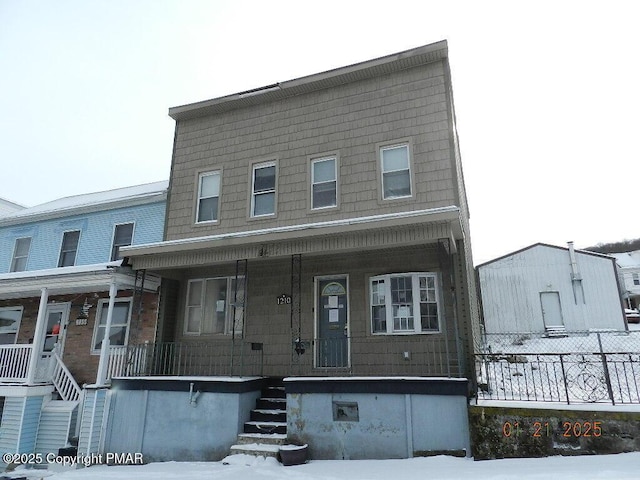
(73,460)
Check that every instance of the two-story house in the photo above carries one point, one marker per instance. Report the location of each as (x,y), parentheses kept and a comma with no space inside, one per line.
(317,229)
(65,301)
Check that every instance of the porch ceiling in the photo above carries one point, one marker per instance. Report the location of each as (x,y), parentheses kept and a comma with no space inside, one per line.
(357,234)
(70,280)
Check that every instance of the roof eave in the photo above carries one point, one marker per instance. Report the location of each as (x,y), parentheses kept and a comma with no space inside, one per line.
(319,81)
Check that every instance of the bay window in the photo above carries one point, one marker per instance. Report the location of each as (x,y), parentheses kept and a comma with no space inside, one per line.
(405,303)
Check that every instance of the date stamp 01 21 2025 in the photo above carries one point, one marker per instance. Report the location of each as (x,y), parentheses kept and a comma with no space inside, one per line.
(544,429)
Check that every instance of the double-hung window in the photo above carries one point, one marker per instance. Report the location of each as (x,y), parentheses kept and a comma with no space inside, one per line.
(209,307)
(9,324)
(405,303)
(263,189)
(69,248)
(122,237)
(119,323)
(396,172)
(324,183)
(20,254)
(208,197)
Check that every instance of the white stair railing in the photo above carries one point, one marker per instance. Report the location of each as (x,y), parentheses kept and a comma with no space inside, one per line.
(62,379)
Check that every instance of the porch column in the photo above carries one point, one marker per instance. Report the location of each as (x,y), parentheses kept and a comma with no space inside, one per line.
(101,378)
(38,336)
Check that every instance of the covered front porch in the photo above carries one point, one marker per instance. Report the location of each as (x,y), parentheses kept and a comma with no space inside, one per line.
(366,297)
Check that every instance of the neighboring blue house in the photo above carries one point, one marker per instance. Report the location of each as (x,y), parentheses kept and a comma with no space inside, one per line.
(63,285)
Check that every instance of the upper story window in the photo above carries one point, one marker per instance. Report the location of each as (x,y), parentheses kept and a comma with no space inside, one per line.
(122,237)
(636,278)
(119,323)
(20,254)
(10,320)
(210,306)
(405,303)
(208,197)
(69,248)
(396,173)
(324,184)
(263,189)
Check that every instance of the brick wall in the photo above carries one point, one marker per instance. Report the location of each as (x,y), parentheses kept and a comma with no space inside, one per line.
(78,338)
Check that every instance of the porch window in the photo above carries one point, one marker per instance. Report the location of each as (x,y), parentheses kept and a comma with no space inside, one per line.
(119,323)
(405,303)
(323,183)
(20,254)
(122,237)
(69,248)
(210,309)
(208,197)
(9,324)
(396,174)
(263,190)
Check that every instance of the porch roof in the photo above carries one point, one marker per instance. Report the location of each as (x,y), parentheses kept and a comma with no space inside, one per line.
(69,280)
(351,234)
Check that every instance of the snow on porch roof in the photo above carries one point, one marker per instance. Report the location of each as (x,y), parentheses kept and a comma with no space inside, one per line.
(95,201)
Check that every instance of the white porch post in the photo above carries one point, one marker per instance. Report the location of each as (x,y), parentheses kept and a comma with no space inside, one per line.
(38,336)
(101,378)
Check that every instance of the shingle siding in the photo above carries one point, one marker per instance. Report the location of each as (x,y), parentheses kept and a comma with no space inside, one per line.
(351,120)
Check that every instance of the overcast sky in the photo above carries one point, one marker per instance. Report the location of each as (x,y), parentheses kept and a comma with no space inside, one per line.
(547,96)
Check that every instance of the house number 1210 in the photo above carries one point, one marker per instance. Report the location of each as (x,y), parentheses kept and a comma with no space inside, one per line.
(284,299)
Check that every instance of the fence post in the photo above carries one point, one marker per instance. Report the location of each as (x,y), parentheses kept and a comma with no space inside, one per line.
(564,379)
(607,378)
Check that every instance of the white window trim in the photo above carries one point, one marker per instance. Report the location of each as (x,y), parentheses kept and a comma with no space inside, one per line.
(229,307)
(335,176)
(199,196)
(381,149)
(416,303)
(75,258)
(96,325)
(15,250)
(113,236)
(21,309)
(255,167)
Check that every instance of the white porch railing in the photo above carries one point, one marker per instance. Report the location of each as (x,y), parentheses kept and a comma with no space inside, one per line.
(62,379)
(128,361)
(14,362)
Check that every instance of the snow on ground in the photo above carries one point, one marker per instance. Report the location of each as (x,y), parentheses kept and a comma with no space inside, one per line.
(624,466)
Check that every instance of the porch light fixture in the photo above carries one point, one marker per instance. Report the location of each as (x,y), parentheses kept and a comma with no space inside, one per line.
(83,316)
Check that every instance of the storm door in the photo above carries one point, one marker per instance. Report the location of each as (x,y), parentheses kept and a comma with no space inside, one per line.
(332,341)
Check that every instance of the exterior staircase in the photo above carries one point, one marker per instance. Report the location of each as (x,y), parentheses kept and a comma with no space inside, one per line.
(266,429)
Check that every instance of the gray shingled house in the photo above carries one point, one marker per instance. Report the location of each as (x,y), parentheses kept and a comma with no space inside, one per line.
(317,229)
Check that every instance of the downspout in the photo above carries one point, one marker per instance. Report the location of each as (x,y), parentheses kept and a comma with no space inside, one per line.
(101,378)
(38,337)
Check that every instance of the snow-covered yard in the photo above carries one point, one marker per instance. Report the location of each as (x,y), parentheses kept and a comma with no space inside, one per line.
(581,367)
(619,467)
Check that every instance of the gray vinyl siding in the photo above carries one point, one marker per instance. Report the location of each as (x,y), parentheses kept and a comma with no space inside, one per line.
(350,119)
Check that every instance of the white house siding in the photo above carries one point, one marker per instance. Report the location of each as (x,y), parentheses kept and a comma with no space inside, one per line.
(511,287)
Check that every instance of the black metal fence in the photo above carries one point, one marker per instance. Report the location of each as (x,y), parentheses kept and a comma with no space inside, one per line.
(582,367)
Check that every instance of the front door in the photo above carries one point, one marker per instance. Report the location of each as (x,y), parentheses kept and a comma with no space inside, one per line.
(55,326)
(551,310)
(332,342)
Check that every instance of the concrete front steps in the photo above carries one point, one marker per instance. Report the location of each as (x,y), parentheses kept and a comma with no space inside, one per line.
(266,429)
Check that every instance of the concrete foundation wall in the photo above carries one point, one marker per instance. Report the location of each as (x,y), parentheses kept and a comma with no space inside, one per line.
(386,425)
(165,425)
